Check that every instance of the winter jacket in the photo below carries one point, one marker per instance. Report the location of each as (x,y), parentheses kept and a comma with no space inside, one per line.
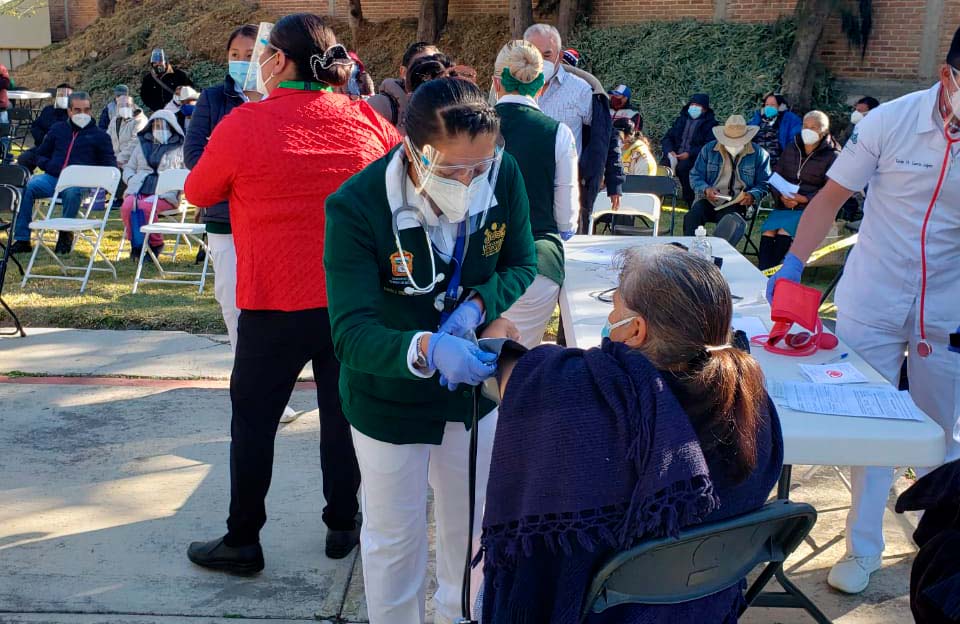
(213,105)
(600,158)
(108,113)
(49,116)
(138,168)
(86,146)
(810,172)
(123,135)
(638,159)
(4,85)
(154,96)
(674,137)
(790,126)
(753,168)
(391,102)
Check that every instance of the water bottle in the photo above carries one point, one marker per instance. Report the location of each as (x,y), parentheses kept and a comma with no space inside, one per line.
(700,245)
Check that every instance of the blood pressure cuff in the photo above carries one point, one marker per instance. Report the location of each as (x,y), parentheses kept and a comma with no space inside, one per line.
(506,350)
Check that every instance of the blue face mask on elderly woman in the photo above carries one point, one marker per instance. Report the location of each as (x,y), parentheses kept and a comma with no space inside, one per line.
(607,327)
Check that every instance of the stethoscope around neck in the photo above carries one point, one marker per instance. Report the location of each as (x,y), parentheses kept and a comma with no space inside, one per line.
(414,288)
(924,348)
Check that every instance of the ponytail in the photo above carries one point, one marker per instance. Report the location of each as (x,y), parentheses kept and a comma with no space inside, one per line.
(306,40)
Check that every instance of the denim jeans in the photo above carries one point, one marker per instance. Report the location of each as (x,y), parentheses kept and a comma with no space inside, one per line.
(40,186)
(5,138)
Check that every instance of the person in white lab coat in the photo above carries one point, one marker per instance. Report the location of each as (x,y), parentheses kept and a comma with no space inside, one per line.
(899,291)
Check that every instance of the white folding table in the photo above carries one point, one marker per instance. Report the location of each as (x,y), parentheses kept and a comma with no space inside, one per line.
(815,439)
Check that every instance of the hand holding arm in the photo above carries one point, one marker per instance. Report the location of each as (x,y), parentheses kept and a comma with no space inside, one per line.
(459,361)
(465,318)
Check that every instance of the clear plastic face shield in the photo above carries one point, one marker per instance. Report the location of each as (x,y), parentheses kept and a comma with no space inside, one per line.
(158,61)
(161,131)
(125,107)
(60,100)
(253,81)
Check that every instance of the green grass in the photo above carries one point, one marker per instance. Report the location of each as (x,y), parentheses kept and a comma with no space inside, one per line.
(109,304)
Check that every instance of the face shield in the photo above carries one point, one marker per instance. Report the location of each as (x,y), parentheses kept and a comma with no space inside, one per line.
(158,60)
(61,100)
(252,81)
(161,131)
(125,107)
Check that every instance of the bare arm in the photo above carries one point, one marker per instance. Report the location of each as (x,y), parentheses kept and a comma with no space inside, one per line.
(817,218)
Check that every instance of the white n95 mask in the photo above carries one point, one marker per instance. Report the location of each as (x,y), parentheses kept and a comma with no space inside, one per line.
(734,150)
(453,198)
(81,120)
(809,136)
(856,117)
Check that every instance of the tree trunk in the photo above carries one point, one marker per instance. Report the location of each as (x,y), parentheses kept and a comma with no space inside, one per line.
(812,15)
(567,17)
(521,17)
(355,18)
(442,11)
(105,8)
(427,23)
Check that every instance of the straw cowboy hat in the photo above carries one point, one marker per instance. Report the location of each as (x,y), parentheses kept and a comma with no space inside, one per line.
(735,131)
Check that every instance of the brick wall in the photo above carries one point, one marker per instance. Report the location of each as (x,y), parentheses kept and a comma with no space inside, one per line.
(894,51)
(81,14)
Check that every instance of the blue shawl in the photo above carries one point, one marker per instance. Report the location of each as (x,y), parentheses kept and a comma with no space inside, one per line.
(593,453)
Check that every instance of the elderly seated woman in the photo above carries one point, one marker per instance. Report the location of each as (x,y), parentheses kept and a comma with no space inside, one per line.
(664,426)
(804,162)
(159,147)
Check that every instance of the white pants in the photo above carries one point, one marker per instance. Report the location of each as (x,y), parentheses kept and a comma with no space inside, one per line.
(533,309)
(935,388)
(224,256)
(393,541)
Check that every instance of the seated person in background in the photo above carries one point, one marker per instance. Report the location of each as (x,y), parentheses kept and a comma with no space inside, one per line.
(778,125)
(51,114)
(729,169)
(124,128)
(685,139)
(423,69)
(77,141)
(570,57)
(861,109)
(638,158)
(804,162)
(666,425)
(183,105)
(391,100)
(159,147)
(620,106)
(109,112)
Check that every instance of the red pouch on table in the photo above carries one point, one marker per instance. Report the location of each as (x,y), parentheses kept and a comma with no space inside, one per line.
(795,303)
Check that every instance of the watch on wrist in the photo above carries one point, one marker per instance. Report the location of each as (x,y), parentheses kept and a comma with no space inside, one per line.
(421,361)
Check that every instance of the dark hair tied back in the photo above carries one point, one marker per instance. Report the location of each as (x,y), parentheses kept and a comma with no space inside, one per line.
(312,46)
(447,107)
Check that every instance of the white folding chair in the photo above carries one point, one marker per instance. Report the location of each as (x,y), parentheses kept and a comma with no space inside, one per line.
(85,228)
(178,214)
(170,181)
(644,205)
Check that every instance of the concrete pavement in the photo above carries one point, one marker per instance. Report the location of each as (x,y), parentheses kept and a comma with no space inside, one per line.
(104,485)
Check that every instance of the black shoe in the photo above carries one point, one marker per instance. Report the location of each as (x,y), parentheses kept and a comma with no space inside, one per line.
(157,249)
(21,247)
(135,255)
(64,243)
(216,555)
(341,543)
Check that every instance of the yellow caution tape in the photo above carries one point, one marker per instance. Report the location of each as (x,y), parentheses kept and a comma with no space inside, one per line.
(843,243)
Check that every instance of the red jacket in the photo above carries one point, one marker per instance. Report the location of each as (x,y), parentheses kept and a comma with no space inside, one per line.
(276,162)
(4,85)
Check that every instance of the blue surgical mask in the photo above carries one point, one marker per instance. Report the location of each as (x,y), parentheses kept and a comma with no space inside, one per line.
(187,109)
(238,71)
(770,111)
(607,327)
(694,110)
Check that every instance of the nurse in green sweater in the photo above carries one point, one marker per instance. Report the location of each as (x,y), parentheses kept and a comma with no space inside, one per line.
(546,152)
(424,248)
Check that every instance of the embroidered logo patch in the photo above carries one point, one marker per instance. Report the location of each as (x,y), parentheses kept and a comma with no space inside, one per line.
(854,137)
(493,238)
(397,263)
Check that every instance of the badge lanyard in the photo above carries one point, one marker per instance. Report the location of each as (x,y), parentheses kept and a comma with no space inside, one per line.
(451,298)
(924,348)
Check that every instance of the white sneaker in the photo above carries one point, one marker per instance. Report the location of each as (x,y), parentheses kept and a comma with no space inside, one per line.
(289,415)
(851,574)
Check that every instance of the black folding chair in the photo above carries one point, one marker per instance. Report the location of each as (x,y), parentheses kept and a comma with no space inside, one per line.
(707,559)
(21,117)
(9,202)
(15,176)
(663,187)
(730,228)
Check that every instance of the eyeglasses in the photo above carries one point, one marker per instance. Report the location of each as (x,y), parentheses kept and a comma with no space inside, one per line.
(466,173)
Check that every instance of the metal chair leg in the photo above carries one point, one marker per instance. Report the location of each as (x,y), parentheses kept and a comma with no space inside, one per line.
(18,327)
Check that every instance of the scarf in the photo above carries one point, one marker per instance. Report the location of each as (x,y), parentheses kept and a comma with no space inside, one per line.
(154,153)
(592,452)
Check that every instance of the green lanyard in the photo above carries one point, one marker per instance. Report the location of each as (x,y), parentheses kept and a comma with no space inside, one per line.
(305,86)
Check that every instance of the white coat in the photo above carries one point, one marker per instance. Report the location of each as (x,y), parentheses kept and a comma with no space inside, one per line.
(124,135)
(137,169)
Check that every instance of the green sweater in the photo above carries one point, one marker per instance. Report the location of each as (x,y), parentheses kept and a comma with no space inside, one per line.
(373,321)
(531,137)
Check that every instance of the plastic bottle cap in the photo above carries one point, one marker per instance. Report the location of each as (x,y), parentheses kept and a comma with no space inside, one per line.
(701,231)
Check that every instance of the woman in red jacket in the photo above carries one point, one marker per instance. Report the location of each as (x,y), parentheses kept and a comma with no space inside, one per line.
(276,162)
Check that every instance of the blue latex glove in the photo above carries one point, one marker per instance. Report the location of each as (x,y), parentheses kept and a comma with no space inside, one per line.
(465,318)
(567,235)
(791,269)
(459,361)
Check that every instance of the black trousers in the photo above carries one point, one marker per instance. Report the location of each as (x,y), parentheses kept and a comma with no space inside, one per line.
(703,212)
(272,349)
(683,174)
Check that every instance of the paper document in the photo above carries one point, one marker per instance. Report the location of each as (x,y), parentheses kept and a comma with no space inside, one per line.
(840,373)
(736,200)
(751,325)
(595,255)
(865,401)
(787,189)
